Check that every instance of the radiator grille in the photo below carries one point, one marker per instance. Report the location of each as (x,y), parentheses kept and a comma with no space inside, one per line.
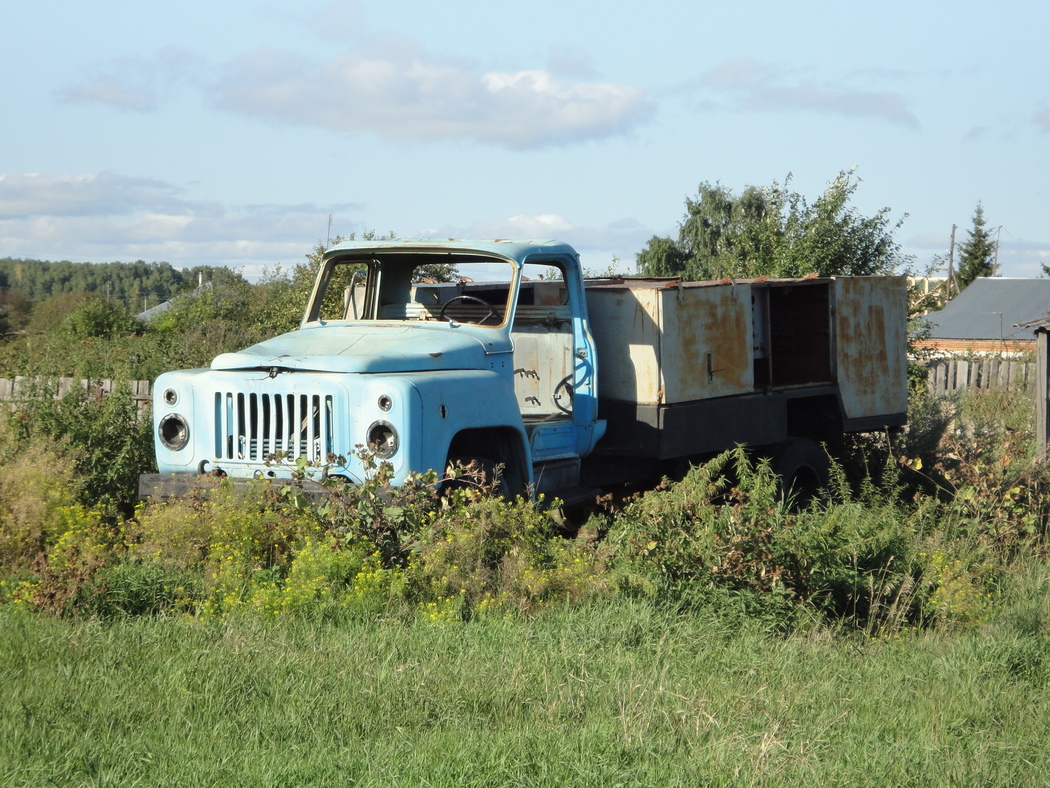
(254,427)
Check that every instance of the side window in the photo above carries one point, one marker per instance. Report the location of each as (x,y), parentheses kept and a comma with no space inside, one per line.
(344,295)
(542,285)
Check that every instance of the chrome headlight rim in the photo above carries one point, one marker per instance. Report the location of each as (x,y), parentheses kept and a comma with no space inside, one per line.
(174,432)
(382,439)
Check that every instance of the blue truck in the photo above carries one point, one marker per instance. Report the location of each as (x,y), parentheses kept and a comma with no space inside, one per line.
(427,354)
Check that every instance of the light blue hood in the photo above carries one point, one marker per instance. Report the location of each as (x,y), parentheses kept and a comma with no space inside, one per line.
(368,348)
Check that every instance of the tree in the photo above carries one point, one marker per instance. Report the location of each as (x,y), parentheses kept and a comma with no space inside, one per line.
(775,232)
(977,252)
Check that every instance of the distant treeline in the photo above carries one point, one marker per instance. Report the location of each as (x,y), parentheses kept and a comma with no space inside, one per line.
(138,285)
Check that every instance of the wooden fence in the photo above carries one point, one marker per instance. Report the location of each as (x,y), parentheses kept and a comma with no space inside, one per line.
(21,388)
(945,376)
(948,375)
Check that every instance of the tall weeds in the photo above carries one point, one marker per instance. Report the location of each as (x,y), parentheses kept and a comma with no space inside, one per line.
(931,535)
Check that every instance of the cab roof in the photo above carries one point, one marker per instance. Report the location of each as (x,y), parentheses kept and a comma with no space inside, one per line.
(512,249)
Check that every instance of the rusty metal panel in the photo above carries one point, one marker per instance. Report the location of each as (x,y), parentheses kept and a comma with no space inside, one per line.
(707,342)
(626,324)
(543,368)
(871,326)
(659,343)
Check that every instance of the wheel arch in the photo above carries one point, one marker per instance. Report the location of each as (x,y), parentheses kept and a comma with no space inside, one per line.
(504,446)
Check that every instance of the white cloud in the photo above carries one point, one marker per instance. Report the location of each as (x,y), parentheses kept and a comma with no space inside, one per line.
(118,90)
(108,216)
(1043,120)
(398,90)
(391,87)
(1018,257)
(759,87)
(32,194)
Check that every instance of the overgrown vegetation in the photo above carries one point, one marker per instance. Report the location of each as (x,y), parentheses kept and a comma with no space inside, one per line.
(925,536)
(917,533)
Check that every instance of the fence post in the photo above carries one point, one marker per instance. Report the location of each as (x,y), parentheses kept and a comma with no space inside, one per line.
(1042,392)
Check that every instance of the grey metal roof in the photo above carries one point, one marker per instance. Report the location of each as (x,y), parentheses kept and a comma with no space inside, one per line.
(991,308)
(164,306)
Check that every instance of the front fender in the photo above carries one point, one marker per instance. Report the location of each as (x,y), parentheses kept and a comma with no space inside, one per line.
(465,400)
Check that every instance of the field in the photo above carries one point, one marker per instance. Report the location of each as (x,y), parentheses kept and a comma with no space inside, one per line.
(616,694)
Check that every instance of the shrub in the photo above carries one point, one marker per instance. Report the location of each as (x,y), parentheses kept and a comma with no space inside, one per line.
(38,505)
(327,575)
(225,536)
(723,537)
(465,552)
(489,555)
(106,444)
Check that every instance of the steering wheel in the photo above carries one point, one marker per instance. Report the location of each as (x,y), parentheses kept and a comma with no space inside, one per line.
(470,299)
(564,389)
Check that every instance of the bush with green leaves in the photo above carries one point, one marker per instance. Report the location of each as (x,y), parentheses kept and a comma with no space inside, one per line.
(37,505)
(106,444)
(725,537)
(369,551)
(465,551)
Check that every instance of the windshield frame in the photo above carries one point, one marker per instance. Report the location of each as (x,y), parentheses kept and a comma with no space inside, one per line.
(389,276)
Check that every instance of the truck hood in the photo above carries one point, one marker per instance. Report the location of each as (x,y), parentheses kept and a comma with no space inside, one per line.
(373,348)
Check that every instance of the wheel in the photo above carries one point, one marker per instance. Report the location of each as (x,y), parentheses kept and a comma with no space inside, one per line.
(470,299)
(804,470)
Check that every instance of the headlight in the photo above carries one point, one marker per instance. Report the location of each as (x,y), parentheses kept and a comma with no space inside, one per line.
(174,432)
(382,440)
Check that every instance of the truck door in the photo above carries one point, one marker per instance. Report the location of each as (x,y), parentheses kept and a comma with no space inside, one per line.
(554,372)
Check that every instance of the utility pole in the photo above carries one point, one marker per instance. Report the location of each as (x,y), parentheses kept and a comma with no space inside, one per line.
(951,266)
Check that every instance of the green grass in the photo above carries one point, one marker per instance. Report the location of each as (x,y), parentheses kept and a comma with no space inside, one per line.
(619,693)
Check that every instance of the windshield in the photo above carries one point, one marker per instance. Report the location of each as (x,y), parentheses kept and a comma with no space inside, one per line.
(414,287)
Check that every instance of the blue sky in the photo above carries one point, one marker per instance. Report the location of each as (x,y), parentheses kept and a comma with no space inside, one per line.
(228,133)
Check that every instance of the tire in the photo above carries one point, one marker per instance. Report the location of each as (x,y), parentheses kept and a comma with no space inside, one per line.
(804,469)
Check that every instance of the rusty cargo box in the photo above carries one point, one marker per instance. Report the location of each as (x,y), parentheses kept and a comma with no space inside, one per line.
(666,342)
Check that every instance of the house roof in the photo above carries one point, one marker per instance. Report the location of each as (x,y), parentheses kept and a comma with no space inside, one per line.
(992,308)
(164,306)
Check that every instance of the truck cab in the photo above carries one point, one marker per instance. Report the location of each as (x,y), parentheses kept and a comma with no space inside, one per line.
(421,354)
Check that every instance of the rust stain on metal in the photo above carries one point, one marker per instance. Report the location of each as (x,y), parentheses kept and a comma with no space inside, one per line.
(870,320)
(709,353)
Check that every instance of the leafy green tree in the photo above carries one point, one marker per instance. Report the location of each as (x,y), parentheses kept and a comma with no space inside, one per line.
(98,317)
(977,252)
(773,231)
(15,310)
